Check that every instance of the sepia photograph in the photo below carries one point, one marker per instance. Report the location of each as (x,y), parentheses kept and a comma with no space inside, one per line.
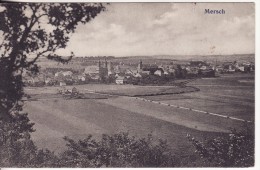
(127,84)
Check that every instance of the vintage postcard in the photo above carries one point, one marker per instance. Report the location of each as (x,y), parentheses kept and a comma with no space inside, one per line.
(86,85)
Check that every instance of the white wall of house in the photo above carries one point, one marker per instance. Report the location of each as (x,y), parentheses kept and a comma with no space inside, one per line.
(119,81)
(62,84)
(158,72)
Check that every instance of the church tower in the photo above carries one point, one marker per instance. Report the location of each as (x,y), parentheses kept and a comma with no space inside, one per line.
(105,64)
(99,64)
(99,70)
(140,66)
(110,69)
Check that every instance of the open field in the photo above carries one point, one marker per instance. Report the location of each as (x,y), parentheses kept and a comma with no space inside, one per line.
(120,90)
(142,90)
(224,95)
(56,117)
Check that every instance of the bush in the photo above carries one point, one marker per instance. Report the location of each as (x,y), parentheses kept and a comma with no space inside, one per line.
(119,150)
(236,150)
(22,153)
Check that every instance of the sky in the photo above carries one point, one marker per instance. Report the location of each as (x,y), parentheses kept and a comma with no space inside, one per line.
(142,29)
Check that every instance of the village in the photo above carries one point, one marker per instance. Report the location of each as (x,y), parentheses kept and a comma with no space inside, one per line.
(134,85)
(106,72)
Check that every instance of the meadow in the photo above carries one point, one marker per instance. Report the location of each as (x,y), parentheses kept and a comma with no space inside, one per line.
(114,108)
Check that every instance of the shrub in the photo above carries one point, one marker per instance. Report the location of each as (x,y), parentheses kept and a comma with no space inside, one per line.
(119,150)
(236,150)
(18,150)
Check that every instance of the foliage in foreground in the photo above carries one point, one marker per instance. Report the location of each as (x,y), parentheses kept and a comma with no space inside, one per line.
(29,31)
(236,150)
(24,153)
(122,150)
(119,150)
(24,39)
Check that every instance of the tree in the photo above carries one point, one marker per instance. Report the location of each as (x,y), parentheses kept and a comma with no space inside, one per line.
(35,30)
(29,31)
(236,150)
(118,150)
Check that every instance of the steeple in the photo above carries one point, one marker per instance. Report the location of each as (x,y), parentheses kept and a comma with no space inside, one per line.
(109,66)
(105,63)
(99,64)
(140,66)
(110,69)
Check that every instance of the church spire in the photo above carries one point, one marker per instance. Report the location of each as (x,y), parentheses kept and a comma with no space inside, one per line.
(105,63)
(99,64)
(140,66)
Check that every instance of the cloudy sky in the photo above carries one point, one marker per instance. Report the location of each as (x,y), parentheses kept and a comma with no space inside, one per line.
(128,29)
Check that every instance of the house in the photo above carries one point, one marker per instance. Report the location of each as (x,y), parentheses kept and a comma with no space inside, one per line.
(241,68)
(171,70)
(219,69)
(47,80)
(159,72)
(137,75)
(36,80)
(129,72)
(192,70)
(91,70)
(146,72)
(62,83)
(58,74)
(120,80)
(119,75)
(67,73)
(30,80)
(81,78)
(166,73)
(203,67)
(74,90)
(231,69)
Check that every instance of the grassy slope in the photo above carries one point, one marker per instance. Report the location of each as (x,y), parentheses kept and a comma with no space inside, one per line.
(56,118)
(78,118)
